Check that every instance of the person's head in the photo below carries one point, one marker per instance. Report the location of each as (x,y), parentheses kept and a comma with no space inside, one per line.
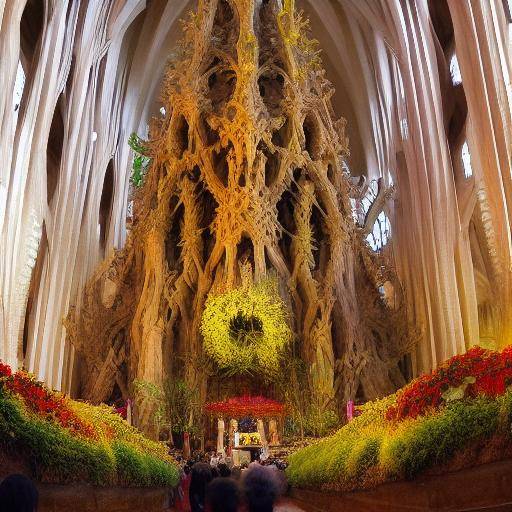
(18,494)
(222,495)
(201,477)
(224,471)
(260,488)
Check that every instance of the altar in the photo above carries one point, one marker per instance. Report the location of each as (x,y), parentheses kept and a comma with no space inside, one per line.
(246,455)
(249,420)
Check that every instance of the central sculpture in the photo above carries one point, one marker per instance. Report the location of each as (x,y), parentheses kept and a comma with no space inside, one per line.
(246,182)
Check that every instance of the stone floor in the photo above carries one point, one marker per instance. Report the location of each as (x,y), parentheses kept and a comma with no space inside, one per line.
(288,505)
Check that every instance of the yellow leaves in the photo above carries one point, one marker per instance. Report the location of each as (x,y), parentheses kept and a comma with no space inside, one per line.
(252,350)
(111,428)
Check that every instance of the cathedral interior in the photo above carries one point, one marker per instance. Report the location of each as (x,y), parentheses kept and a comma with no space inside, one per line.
(284,223)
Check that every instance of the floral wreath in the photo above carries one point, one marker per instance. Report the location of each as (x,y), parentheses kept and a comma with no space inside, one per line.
(246,328)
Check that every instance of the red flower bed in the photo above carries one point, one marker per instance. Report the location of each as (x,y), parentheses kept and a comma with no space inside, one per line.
(490,370)
(43,402)
(246,406)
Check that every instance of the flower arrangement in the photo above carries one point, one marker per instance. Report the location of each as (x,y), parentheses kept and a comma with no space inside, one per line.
(46,404)
(463,408)
(246,329)
(68,441)
(250,439)
(477,372)
(246,406)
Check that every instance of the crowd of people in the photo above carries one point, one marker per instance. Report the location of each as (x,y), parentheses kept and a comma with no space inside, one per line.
(209,484)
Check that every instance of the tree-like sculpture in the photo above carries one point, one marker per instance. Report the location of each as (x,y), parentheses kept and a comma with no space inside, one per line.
(246,169)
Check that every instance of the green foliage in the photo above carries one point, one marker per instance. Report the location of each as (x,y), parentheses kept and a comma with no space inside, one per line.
(55,452)
(435,438)
(370,445)
(173,405)
(182,403)
(305,416)
(246,329)
(152,396)
(141,160)
(318,422)
(60,457)
(137,467)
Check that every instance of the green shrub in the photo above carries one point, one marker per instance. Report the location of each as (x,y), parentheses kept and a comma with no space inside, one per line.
(56,453)
(371,445)
(432,440)
(136,468)
(60,457)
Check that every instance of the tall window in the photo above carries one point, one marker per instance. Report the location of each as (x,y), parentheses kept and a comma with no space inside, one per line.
(381,232)
(466,161)
(19,85)
(455,70)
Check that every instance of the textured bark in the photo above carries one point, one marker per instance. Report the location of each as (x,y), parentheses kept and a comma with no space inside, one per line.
(247,169)
(96,67)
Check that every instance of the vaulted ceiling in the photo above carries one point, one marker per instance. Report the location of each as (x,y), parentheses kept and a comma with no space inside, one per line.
(155,31)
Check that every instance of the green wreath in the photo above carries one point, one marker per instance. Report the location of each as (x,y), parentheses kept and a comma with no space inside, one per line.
(246,328)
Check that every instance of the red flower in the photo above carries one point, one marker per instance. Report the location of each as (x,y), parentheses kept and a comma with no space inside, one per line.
(491,370)
(44,402)
(244,406)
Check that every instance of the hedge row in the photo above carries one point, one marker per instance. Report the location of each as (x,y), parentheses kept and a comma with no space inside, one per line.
(371,449)
(121,456)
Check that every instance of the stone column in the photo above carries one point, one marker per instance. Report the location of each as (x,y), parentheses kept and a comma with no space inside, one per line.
(273,434)
(220,436)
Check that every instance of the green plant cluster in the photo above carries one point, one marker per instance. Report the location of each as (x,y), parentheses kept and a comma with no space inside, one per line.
(314,423)
(174,404)
(141,161)
(236,350)
(370,450)
(57,456)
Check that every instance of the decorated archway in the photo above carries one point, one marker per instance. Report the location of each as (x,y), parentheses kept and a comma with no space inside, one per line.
(248,420)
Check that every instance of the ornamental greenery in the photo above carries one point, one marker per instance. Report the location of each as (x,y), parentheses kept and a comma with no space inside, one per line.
(141,161)
(245,330)
(423,425)
(69,441)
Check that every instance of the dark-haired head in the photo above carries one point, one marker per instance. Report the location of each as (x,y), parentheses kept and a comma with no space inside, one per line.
(222,495)
(224,470)
(260,488)
(201,477)
(18,494)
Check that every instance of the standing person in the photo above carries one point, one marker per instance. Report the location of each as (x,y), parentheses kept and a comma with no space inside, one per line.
(214,460)
(182,501)
(18,494)
(201,477)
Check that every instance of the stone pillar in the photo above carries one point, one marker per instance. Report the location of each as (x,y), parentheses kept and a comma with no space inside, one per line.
(263,437)
(220,436)
(273,434)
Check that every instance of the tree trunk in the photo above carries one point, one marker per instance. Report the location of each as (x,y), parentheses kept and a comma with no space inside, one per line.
(247,167)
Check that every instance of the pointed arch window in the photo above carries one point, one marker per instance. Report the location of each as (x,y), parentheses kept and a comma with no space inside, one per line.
(381,233)
(455,70)
(19,85)
(466,160)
